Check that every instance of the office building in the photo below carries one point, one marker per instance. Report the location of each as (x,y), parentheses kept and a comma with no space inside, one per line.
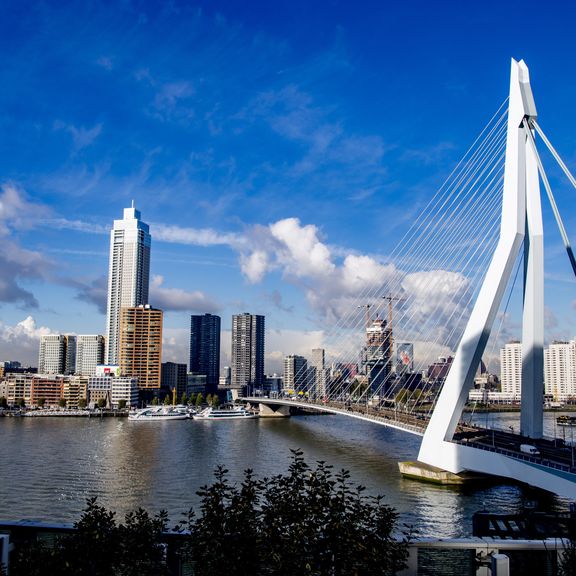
(195,384)
(112,390)
(511,368)
(247,351)
(141,345)
(205,349)
(128,274)
(295,373)
(89,353)
(174,378)
(57,354)
(560,370)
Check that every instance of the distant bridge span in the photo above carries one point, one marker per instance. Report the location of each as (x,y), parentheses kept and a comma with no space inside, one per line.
(385,417)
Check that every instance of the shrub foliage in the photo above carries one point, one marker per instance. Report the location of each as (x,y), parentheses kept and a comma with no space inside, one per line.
(309,521)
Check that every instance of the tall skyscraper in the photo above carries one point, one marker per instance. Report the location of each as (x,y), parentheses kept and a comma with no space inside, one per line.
(247,351)
(141,345)
(511,367)
(57,354)
(128,275)
(89,353)
(205,349)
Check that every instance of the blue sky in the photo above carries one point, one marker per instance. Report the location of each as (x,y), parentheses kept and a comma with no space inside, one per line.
(238,127)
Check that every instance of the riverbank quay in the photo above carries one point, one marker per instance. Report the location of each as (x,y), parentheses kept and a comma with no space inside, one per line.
(64,413)
(426,556)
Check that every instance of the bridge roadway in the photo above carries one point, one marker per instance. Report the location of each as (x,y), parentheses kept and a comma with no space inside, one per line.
(554,453)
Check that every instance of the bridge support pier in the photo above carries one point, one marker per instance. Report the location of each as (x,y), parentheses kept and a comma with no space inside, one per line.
(428,473)
(272,411)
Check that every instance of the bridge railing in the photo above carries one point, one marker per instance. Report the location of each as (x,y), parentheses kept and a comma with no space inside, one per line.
(518,456)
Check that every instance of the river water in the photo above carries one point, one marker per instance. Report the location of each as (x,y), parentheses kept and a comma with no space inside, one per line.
(49,466)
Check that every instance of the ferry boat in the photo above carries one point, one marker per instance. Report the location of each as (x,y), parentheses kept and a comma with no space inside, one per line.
(566,420)
(154,413)
(225,414)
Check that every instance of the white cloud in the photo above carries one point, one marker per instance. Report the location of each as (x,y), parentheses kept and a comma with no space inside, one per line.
(82,137)
(254,266)
(178,299)
(21,341)
(194,236)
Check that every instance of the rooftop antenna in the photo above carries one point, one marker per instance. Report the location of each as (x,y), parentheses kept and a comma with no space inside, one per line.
(132,203)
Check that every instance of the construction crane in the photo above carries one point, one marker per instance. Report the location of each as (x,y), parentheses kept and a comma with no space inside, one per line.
(367,306)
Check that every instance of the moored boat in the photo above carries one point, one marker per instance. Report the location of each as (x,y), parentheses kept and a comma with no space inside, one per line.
(154,413)
(239,413)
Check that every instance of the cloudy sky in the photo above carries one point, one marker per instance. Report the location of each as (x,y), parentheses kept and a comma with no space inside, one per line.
(278,150)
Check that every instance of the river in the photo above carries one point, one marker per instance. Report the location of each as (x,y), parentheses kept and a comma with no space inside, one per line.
(49,466)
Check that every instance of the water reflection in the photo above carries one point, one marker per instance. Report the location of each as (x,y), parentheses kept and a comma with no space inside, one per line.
(50,466)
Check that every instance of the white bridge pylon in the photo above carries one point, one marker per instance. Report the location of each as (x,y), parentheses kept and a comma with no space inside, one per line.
(520,227)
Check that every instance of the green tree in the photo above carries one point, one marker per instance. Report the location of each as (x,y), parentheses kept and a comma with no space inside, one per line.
(62,402)
(192,399)
(199,399)
(308,521)
(102,403)
(3,402)
(21,403)
(155,401)
(122,404)
(215,402)
(184,398)
(209,399)
(41,402)
(82,403)
(167,401)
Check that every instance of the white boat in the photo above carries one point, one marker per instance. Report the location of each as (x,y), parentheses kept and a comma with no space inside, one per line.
(225,414)
(158,413)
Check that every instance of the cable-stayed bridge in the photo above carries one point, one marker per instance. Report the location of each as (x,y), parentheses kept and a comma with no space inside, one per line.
(475,248)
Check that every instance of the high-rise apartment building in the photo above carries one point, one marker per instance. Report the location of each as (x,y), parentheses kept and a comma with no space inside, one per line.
(511,368)
(318,366)
(295,373)
(247,351)
(128,275)
(89,353)
(141,344)
(205,349)
(560,370)
(57,354)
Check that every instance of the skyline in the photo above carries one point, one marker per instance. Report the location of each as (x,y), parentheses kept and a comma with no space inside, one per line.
(277,154)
